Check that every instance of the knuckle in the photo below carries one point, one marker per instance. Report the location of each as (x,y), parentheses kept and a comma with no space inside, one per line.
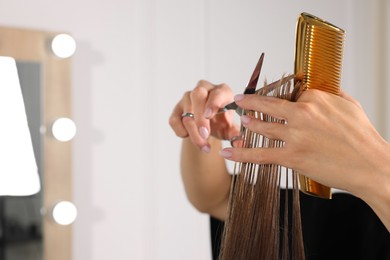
(177,127)
(308,94)
(202,82)
(198,92)
(181,134)
(172,121)
(175,121)
(219,96)
(224,86)
(187,94)
(304,109)
(358,104)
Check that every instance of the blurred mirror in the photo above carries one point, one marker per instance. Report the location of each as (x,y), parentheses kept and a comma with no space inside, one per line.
(27,228)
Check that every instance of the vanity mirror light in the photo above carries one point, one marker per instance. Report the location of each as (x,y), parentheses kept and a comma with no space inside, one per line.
(40,226)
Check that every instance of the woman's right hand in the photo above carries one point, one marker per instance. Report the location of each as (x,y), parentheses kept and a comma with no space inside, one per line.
(203,102)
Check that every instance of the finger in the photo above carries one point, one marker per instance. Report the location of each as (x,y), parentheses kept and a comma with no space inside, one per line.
(175,121)
(194,135)
(198,100)
(219,96)
(275,107)
(223,125)
(191,126)
(257,155)
(271,130)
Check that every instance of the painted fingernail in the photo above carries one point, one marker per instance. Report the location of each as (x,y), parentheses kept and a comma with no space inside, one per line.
(207,113)
(245,120)
(226,153)
(239,97)
(204,132)
(206,149)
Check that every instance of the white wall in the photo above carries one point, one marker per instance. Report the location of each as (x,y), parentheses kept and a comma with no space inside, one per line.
(134,60)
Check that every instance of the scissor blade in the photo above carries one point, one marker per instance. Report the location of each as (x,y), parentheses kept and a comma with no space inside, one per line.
(251,87)
(262,91)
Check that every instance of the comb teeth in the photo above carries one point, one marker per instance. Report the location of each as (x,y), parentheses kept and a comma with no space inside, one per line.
(318,59)
(319,53)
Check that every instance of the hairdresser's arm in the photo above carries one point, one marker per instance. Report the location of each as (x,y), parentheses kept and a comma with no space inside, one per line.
(205,177)
(204,173)
(327,138)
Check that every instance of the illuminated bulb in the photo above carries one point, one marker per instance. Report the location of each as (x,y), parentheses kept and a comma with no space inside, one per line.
(63,45)
(63,129)
(64,213)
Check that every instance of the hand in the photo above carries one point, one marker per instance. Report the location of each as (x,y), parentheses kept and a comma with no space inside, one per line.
(203,102)
(327,138)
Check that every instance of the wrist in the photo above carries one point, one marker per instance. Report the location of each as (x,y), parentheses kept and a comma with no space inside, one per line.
(375,186)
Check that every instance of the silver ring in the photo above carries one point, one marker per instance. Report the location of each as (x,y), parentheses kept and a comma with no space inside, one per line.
(187,115)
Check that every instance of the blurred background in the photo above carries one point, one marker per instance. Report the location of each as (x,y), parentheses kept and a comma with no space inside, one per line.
(133,62)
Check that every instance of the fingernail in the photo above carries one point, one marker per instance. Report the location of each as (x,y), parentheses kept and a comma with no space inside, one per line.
(226,153)
(204,132)
(245,120)
(239,97)
(206,149)
(207,113)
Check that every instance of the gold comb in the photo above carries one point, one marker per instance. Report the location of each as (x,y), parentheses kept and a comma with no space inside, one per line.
(318,61)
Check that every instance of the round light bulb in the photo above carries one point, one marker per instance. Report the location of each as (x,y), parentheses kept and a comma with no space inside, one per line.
(64,213)
(63,129)
(63,45)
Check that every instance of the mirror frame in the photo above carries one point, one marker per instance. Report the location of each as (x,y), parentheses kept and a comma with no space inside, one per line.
(34,46)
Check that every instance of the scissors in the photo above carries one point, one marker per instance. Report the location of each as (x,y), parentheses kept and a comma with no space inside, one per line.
(251,89)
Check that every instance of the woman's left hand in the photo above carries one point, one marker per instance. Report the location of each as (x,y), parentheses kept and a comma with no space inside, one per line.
(326,137)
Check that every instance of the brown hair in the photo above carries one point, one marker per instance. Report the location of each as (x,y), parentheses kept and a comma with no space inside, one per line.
(254,228)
